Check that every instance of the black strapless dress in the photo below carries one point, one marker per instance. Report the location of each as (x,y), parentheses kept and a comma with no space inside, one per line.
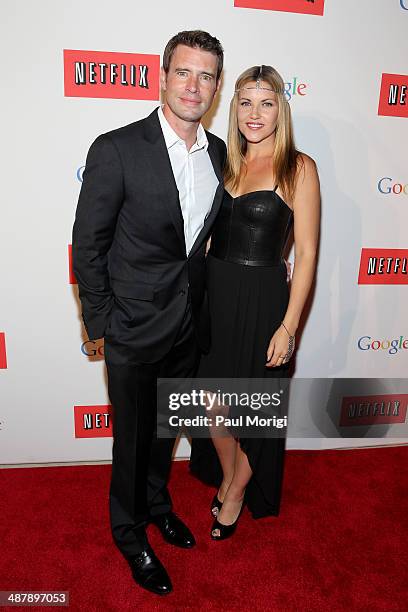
(248,296)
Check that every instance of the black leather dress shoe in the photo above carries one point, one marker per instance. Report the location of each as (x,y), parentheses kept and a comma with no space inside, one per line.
(173,530)
(149,573)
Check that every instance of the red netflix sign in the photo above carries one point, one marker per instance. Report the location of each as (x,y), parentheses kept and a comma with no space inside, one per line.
(72,279)
(374,409)
(393,95)
(3,355)
(105,74)
(93,421)
(308,7)
(383,267)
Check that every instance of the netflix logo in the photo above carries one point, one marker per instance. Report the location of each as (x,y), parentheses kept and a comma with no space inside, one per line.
(72,279)
(105,74)
(308,7)
(373,410)
(3,355)
(383,267)
(93,421)
(393,95)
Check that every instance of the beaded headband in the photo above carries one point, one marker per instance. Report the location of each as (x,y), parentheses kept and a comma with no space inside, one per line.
(258,86)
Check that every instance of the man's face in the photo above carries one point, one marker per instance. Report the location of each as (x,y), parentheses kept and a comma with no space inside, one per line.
(191,82)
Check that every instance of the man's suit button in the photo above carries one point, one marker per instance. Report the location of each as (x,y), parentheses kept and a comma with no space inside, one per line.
(182,292)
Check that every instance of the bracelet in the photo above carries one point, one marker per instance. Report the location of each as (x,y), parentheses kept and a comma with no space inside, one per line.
(291,346)
(289,334)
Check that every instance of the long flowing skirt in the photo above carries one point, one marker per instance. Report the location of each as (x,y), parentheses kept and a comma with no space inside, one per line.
(247,305)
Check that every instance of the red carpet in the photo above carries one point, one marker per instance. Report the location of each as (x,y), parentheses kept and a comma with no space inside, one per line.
(339,544)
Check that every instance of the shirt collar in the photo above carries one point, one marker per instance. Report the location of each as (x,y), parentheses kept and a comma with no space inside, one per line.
(171,138)
(202,140)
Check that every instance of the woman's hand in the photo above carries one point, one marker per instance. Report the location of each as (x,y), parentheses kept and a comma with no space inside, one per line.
(277,353)
(288,270)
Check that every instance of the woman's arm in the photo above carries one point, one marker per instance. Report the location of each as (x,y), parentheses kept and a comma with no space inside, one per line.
(306,213)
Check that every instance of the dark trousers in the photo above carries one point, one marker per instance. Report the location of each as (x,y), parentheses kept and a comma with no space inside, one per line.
(140,461)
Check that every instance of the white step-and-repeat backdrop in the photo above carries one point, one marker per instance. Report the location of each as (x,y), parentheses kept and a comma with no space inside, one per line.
(72,70)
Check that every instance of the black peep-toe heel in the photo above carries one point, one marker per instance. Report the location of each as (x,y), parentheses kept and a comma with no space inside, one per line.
(216,506)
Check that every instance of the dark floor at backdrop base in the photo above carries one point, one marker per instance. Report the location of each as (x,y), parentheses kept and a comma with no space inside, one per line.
(339,544)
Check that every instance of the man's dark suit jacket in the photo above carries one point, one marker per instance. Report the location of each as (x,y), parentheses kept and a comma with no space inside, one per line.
(129,254)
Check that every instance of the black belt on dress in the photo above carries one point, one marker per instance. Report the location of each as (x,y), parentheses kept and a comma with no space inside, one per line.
(238,259)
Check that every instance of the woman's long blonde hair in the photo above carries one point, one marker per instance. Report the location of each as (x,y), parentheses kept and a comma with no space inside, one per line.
(285,156)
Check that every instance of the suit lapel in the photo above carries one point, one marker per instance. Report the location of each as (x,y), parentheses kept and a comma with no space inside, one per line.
(160,161)
(162,170)
(215,160)
(213,153)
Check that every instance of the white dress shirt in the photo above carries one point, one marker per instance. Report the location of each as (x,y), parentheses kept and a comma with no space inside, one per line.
(195,178)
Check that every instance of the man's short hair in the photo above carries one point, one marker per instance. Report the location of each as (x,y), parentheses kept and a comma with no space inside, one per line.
(196,39)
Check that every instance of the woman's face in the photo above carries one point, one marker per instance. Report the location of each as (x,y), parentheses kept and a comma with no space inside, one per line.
(257,112)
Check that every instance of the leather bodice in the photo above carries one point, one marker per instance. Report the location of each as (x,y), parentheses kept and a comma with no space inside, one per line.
(251,229)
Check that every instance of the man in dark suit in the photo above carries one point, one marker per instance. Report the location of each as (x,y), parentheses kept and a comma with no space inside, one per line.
(151,191)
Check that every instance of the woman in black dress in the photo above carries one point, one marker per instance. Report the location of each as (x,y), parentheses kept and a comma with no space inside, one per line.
(269,186)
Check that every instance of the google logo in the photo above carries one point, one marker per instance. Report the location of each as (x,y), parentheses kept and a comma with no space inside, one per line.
(79,173)
(293,88)
(366,343)
(91,349)
(386,186)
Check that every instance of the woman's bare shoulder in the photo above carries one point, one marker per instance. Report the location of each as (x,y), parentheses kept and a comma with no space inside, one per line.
(306,162)
(307,169)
